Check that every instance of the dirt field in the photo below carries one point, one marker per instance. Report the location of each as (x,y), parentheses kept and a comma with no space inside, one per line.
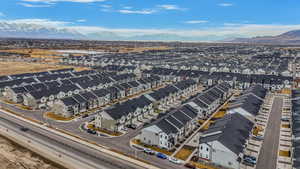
(9,68)
(12,156)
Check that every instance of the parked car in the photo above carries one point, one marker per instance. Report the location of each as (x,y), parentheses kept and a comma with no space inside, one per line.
(174,160)
(132,126)
(250,160)
(285,119)
(259,137)
(91,131)
(24,129)
(161,155)
(84,116)
(149,151)
(189,165)
(251,157)
(248,163)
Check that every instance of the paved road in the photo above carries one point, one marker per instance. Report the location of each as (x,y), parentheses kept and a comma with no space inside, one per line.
(94,158)
(268,154)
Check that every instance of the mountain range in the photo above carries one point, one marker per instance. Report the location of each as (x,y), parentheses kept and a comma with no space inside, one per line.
(290,38)
(24,30)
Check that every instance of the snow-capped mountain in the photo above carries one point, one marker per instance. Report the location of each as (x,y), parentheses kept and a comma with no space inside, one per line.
(23,30)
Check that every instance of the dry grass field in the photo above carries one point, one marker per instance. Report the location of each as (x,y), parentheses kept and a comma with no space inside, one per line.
(9,68)
(12,156)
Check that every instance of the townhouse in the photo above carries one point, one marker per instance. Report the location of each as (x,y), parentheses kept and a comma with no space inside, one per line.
(208,101)
(223,143)
(171,129)
(169,94)
(249,102)
(295,123)
(129,112)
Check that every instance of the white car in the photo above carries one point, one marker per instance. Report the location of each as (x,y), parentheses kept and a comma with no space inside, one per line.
(174,160)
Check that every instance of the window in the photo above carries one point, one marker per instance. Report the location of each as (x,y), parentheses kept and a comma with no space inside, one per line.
(144,138)
(206,149)
(201,147)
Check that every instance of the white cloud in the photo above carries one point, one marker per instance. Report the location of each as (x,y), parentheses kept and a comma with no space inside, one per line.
(170,7)
(53,1)
(143,12)
(225,4)
(127,7)
(106,6)
(196,21)
(81,20)
(34,5)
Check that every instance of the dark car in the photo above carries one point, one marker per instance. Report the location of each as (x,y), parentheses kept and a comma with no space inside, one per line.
(249,162)
(250,157)
(132,126)
(91,131)
(24,129)
(84,116)
(161,155)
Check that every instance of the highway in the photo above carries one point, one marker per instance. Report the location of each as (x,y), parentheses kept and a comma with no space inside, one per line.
(67,147)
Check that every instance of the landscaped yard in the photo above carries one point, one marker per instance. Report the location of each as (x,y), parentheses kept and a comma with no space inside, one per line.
(284,153)
(184,152)
(53,116)
(285,126)
(219,114)
(201,165)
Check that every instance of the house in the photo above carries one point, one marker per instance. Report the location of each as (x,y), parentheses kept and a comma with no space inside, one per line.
(171,129)
(15,94)
(103,96)
(130,112)
(83,103)
(223,143)
(91,98)
(66,107)
(249,103)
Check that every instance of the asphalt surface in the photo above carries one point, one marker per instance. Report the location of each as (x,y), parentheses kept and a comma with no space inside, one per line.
(268,154)
(94,158)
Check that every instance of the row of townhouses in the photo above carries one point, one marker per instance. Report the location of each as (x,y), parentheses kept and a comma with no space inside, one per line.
(295,125)
(141,108)
(236,80)
(176,125)
(95,98)
(224,142)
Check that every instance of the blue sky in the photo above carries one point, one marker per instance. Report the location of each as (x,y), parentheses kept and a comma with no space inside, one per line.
(205,17)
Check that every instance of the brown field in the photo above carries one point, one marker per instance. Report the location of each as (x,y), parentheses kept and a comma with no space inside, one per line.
(9,68)
(13,156)
(37,53)
(141,49)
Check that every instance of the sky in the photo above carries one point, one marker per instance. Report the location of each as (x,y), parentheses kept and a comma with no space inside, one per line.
(183,17)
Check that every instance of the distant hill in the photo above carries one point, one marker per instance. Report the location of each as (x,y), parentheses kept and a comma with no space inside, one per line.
(291,38)
(21,30)
(24,30)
